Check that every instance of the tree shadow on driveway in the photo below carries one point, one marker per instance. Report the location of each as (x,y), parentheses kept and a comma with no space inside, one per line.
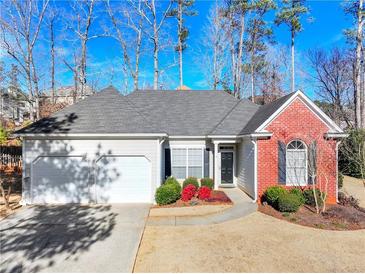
(51,235)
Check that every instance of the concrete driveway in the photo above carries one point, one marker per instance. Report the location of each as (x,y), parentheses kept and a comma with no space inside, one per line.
(100,238)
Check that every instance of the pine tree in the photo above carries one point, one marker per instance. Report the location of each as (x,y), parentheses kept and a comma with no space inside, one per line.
(259,32)
(290,14)
(183,8)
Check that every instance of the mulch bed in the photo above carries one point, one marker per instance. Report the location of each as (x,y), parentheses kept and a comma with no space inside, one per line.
(217,197)
(336,217)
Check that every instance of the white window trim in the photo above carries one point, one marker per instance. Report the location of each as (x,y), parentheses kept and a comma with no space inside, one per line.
(202,147)
(306,164)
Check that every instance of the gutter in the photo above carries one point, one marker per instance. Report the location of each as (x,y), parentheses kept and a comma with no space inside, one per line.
(258,135)
(91,135)
(336,135)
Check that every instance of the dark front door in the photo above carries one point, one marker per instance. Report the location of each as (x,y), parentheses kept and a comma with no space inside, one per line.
(227,167)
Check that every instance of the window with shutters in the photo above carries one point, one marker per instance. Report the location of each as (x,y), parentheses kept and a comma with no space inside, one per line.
(187,162)
(296,163)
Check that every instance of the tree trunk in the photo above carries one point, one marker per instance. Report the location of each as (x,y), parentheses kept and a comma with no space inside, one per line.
(155,55)
(252,65)
(52,62)
(180,29)
(138,51)
(357,69)
(232,51)
(36,87)
(292,62)
(83,69)
(239,58)
(215,72)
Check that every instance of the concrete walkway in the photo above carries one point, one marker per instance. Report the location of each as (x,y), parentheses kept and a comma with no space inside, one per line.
(242,206)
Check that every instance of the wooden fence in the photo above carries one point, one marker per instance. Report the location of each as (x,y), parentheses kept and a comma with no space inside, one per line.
(10,157)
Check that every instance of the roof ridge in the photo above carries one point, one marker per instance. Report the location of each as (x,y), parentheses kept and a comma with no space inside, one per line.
(225,116)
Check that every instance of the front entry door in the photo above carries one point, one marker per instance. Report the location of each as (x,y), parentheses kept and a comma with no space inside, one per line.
(226,167)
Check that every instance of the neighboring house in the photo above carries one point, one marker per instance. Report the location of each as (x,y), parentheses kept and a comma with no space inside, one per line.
(14,105)
(65,95)
(114,148)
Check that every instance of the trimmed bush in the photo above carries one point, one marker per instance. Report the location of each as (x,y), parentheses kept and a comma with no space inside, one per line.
(191,181)
(309,197)
(288,203)
(299,193)
(188,192)
(167,194)
(204,193)
(172,181)
(272,194)
(208,182)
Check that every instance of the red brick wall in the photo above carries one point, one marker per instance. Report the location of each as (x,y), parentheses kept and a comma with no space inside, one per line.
(297,121)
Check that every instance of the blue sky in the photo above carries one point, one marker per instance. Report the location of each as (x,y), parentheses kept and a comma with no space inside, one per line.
(325,31)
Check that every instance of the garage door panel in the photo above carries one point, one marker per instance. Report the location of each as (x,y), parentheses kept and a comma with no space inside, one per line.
(59,179)
(123,179)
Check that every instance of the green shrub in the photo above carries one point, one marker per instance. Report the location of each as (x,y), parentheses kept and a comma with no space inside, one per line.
(272,194)
(309,197)
(3,135)
(299,193)
(167,194)
(208,182)
(340,180)
(351,154)
(288,203)
(172,181)
(192,181)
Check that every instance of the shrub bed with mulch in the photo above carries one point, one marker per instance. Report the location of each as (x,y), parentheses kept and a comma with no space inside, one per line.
(217,197)
(336,217)
(298,206)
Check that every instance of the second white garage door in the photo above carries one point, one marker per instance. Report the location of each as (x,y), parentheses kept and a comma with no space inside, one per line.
(123,179)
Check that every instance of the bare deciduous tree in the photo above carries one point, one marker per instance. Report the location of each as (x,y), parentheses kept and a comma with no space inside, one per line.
(333,76)
(125,18)
(213,55)
(20,28)
(79,22)
(235,12)
(155,22)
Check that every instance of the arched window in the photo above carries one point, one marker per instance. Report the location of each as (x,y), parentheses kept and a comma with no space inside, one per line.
(296,163)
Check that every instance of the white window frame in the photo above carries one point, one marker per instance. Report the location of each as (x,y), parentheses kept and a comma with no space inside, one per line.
(306,164)
(187,158)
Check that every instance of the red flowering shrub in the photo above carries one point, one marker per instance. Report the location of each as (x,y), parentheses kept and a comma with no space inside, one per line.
(188,192)
(204,193)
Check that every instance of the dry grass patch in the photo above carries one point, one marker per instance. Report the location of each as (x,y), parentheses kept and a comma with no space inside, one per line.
(256,243)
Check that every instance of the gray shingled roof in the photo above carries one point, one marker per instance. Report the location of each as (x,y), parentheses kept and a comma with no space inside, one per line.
(104,112)
(184,113)
(236,119)
(191,113)
(263,113)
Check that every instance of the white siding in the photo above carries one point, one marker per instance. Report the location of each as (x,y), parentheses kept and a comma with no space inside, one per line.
(91,150)
(246,166)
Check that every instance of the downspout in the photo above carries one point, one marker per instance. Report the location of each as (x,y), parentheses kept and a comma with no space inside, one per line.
(254,141)
(160,142)
(337,145)
(24,200)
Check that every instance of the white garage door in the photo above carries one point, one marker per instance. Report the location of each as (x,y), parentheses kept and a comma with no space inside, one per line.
(58,179)
(123,179)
